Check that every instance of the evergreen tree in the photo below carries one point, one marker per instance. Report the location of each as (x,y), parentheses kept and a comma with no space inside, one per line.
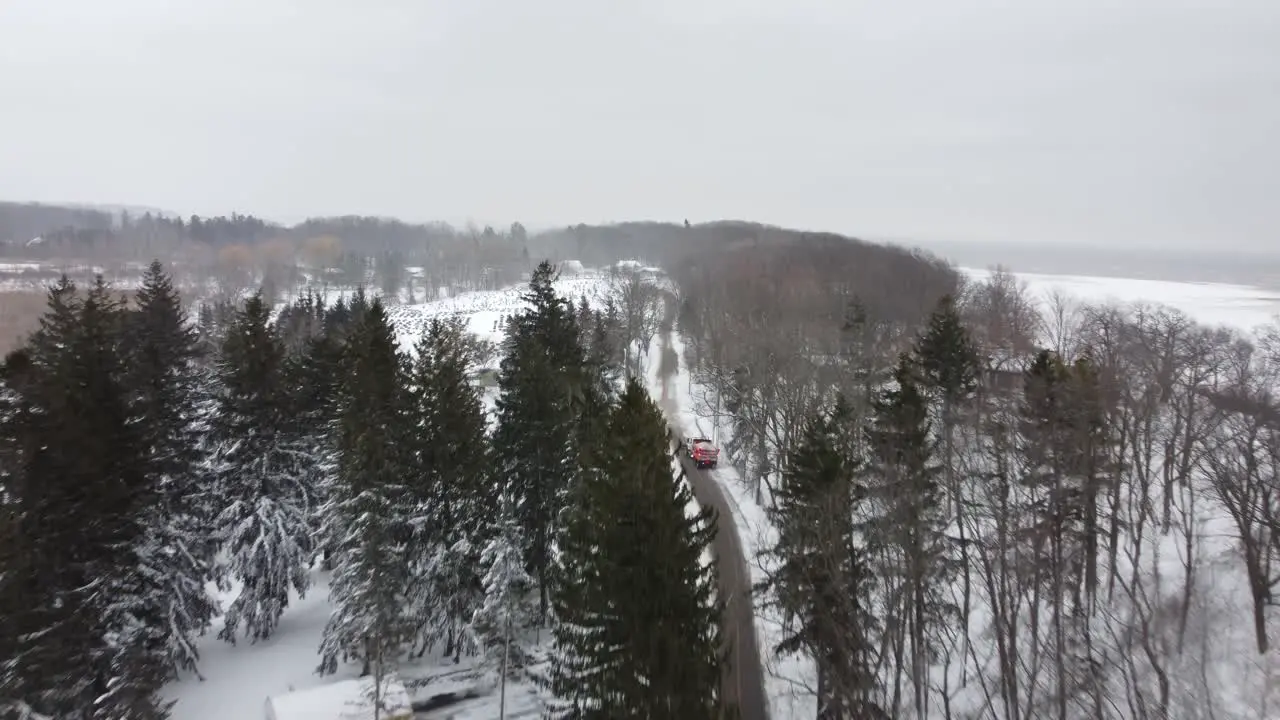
(1060,430)
(638,633)
(1093,462)
(450,485)
(948,363)
(300,321)
(508,606)
(1048,452)
(822,582)
(57,326)
(1065,449)
(212,322)
(81,633)
(602,334)
(45,622)
(266,474)
(135,662)
(914,518)
(12,416)
(946,354)
(165,385)
(315,377)
(366,515)
(338,320)
(542,399)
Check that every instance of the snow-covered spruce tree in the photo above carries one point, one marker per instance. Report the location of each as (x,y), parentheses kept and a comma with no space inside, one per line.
(266,474)
(83,641)
(542,397)
(638,633)
(134,664)
(367,513)
(454,499)
(822,582)
(508,608)
(165,385)
(314,376)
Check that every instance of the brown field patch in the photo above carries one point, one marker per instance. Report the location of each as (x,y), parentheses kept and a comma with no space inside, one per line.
(20,312)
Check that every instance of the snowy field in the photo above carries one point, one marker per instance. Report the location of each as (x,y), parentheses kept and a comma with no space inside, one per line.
(484,310)
(238,679)
(1238,306)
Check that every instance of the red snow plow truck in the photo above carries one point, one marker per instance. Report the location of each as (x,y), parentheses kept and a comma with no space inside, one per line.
(701,450)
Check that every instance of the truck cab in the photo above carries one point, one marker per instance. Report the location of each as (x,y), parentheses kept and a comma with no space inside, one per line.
(702,451)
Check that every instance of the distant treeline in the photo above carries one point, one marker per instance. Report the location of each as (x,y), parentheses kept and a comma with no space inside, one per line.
(37,231)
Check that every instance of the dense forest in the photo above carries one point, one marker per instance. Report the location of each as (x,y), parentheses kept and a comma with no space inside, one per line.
(143,461)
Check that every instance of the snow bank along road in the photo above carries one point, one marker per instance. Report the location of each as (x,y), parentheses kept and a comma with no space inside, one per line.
(743,684)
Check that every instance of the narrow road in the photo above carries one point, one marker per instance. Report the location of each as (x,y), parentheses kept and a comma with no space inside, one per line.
(743,682)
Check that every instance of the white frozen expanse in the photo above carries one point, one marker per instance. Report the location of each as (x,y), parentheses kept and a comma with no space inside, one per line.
(239,679)
(1239,306)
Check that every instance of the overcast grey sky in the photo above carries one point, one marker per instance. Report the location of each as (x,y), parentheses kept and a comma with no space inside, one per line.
(1129,121)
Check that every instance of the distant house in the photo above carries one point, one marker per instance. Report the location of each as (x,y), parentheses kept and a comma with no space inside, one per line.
(345,700)
(1004,370)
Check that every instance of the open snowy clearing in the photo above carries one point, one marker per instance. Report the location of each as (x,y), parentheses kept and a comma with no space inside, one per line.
(484,310)
(1239,306)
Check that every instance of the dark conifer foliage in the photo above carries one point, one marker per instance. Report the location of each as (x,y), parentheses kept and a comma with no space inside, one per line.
(452,489)
(83,635)
(168,401)
(366,515)
(638,633)
(913,516)
(265,474)
(601,333)
(949,367)
(1066,449)
(823,582)
(542,399)
(212,321)
(300,321)
(946,354)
